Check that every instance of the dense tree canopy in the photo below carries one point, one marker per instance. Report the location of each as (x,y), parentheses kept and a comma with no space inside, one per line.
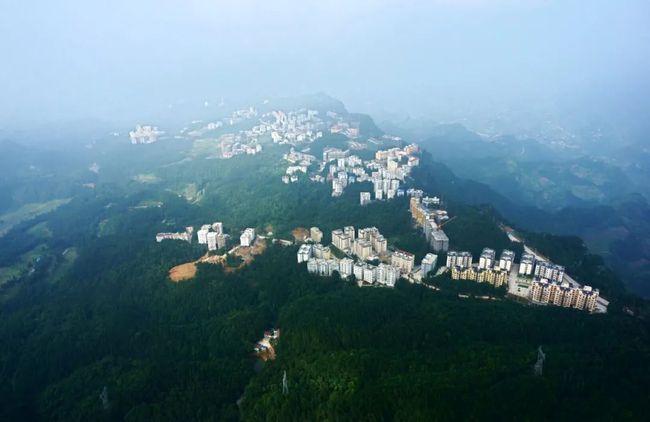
(101,333)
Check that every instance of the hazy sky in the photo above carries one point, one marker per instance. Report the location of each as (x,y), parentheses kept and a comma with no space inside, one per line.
(122,59)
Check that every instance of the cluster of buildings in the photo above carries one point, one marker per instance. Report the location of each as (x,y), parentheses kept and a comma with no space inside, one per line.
(281,127)
(551,286)
(294,127)
(370,244)
(231,144)
(299,162)
(390,168)
(197,133)
(144,135)
(186,235)
(236,117)
(349,129)
(340,125)
(487,270)
(304,126)
(213,236)
(359,247)
(344,170)
(534,279)
(382,274)
(386,171)
(239,116)
(428,215)
(564,294)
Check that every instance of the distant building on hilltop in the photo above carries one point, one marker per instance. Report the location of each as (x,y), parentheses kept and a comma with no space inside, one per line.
(144,135)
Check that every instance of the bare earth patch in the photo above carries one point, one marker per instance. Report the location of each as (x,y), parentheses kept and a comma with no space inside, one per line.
(300,234)
(247,254)
(187,271)
(183,272)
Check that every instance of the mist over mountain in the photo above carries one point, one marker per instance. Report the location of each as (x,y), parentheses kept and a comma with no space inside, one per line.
(337,210)
(558,71)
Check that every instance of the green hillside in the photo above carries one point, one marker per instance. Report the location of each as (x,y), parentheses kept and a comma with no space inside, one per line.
(94,329)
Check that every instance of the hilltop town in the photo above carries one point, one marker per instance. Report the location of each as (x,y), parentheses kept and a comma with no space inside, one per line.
(363,254)
(387,171)
(533,279)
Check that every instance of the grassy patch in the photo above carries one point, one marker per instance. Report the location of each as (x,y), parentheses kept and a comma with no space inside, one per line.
(192,193)
(23,265)
(147,178)
(40,230)
(104,228)
(27,212)
(208,148)
(149,203)
(69,255)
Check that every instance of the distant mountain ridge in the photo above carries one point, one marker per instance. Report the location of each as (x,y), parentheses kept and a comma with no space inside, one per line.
(548,190)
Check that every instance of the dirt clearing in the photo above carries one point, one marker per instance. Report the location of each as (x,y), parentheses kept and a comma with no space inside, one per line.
(183,272)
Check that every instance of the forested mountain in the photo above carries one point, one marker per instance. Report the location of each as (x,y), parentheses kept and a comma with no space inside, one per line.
(554,189)
(92,328)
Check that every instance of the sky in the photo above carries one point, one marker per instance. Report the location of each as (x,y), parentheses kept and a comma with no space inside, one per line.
(125,60)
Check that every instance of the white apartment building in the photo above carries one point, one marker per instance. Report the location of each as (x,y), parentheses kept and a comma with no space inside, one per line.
(247,237)
(304,253)
(439,241)
(428,264)
(549,271)
(387,275)
(427,200)
(405,261)
(202,235)
(506,260)
(316,235)
(369,274)
(562,294)
(380,245)
(212,241)
(362,248)
(586,298)
(346,267)
(486,260)
(357,270)
(186,235)
(222,240)
(321,252)
(341,240)
(312,265)
(217,227)
(337,187)
(364,198)
(526,264)
(459,259)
